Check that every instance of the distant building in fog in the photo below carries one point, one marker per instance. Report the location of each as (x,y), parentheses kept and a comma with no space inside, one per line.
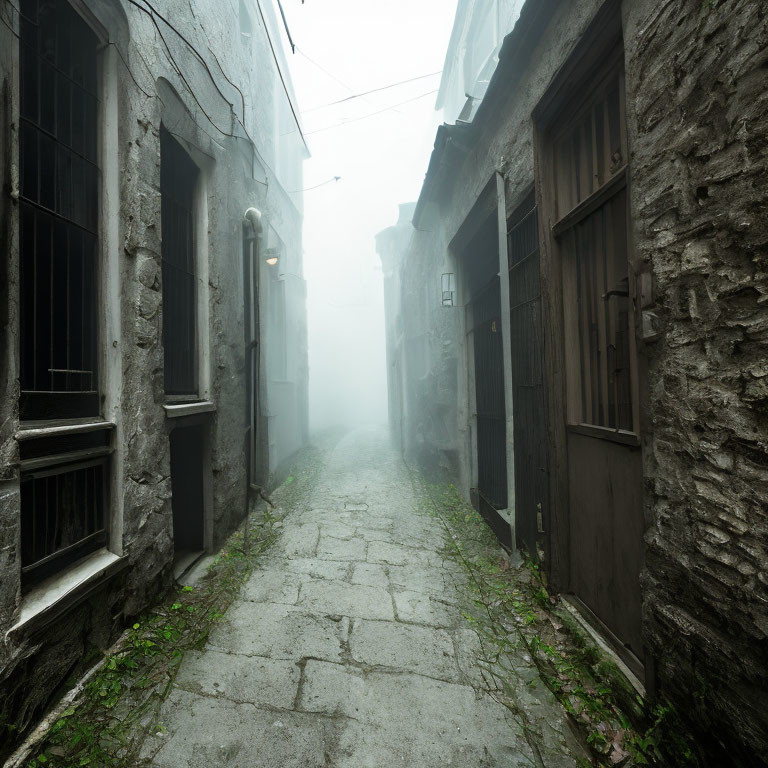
(154,365)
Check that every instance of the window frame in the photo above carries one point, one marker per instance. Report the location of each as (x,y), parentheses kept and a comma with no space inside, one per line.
(37,435)
(568,115)
(196,193)
(50,404)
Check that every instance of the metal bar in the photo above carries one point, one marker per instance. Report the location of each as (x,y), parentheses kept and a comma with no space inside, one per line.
(31,465)
(62,552)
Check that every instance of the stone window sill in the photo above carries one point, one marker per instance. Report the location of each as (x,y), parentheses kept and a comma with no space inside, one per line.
(47,601)
(29,430)
(188,409)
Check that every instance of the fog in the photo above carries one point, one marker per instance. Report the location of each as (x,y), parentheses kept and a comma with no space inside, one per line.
(346,47)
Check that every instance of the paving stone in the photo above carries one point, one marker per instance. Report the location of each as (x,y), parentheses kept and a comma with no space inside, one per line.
(423,579)
(329,548)
(339,530)
(395,554)
(403,714)
(243,679)
(421,608)
(398,698)
(204,732)
(372,574)
(298,540)
(316,568)
(278,632)
(406,647)
(314,629)
(355,600)
(375,534)
(274,586)
(376,745)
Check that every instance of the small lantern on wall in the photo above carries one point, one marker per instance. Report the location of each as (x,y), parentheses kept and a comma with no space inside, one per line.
(272,256)
(448,289)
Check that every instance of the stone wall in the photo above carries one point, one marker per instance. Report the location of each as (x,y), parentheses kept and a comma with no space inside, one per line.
(225,112)
(697,116)
(697,80)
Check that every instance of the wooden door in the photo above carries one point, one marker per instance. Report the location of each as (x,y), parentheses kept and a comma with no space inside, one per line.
(605,475)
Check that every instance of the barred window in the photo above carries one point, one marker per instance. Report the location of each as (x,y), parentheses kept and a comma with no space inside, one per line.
(62,517)
(178,179)
(59,212)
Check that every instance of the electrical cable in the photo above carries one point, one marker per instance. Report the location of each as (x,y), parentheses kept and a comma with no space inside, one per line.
(373,90)
(327,73)
(280,72)
(371,114)
(216,59)
(324,70)
(151,12)
(317,186)
(187,43)
(192,92)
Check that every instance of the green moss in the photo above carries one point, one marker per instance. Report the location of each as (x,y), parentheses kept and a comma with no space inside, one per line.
(121,703)
(514,608)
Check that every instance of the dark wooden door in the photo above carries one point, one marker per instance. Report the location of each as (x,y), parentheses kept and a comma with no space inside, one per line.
(526,335)
(604,457)
(590,225)
(491,409)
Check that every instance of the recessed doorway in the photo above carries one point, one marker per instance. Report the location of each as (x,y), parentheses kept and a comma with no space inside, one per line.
(188,489)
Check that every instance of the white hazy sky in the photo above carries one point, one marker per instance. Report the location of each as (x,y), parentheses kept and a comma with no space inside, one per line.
(381,159)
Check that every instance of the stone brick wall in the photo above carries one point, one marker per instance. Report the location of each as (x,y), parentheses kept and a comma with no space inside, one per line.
(241,171)
(697,77)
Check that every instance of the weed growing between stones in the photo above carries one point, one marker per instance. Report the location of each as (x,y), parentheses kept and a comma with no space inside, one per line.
(515,617)
(119,706)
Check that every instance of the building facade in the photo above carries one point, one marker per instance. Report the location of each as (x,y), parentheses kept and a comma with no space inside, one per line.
(153,363)
(585,333)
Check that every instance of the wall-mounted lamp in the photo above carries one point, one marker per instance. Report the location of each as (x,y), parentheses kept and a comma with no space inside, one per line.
(272,256)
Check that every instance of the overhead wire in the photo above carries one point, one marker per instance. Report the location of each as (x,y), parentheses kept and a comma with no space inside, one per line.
(280,71)
(216,59)
(373,90)
(324,70)
(371,114)
(149,11)
(317,186)
(327,73)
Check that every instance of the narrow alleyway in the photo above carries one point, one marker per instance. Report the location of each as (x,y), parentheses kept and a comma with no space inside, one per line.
(348,647)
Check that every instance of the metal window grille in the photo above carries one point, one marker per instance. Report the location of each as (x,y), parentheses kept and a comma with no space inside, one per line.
(528,398)
(178,178)
(59,207)
(489,394)
(62,517)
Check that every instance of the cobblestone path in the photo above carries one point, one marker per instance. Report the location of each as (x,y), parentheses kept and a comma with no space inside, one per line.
(348,648)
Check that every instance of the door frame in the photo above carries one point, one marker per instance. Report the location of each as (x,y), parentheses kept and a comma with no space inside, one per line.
(603,38)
